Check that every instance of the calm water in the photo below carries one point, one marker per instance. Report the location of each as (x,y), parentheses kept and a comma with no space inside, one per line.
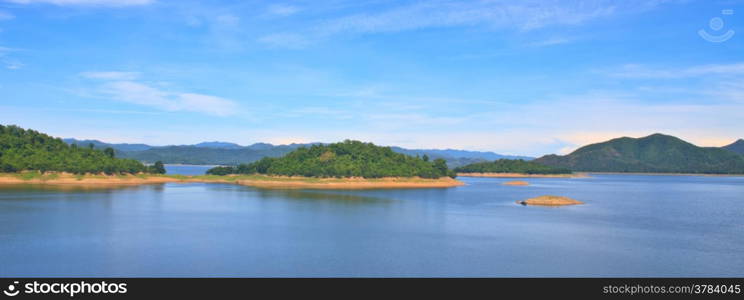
(630,226)
(187,169)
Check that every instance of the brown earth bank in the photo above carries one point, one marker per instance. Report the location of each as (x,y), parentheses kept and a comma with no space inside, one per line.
(516,182)
(262,181)
(549,200)
(520,175)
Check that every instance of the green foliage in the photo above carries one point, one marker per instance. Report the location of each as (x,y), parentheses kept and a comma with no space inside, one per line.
(157,168)
(22,150)
(656,153)
(109,152)
(511,166)
(345,159)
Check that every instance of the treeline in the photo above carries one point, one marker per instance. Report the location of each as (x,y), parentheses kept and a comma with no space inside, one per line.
(511,166)
(30,150)
(345,159)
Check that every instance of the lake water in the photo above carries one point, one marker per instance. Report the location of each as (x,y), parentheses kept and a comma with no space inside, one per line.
(630,226)
(187,169)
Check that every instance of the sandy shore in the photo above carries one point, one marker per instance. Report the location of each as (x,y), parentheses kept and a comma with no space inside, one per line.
(520,175)
(549,200)
(248,180)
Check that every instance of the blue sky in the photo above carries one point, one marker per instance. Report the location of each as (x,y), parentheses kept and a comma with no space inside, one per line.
(516,77)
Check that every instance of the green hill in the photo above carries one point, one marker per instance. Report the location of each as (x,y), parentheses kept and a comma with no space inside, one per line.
(656,153)
(737,146)
(345,159)
(511,166)
(29,150)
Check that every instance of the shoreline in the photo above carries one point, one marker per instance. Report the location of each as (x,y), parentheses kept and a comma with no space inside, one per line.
(260,181)
(665,174)
(520,175)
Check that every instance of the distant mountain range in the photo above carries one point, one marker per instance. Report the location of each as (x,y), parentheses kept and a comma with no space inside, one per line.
(737,146)
(224,153)
(655,153)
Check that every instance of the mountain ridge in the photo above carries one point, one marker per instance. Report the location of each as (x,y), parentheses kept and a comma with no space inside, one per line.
(226,153)
(657,153)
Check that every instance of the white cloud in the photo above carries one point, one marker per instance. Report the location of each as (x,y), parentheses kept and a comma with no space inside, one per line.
(114,3)
(6,16)
(283,10)
(7,61)
(121,86)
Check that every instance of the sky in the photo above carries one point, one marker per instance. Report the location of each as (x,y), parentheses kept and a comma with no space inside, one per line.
(514,77)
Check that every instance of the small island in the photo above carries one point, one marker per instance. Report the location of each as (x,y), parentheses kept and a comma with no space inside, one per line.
(31,157)
(549,200)
(348,164)
(514,168)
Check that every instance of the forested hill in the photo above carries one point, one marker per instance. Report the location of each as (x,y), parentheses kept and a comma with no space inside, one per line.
(737,146)
(22,149)
(511,166)
(655,153)
(345,159)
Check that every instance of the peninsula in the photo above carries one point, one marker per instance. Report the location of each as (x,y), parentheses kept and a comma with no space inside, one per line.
(513,168)
(31,157)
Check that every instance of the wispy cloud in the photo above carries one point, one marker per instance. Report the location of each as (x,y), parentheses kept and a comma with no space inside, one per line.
(644,72)
(522,15)
(6,16)
(284,40)
(114,3)
(282,10)
(121,86)
(552,41)
(111,75)
(7,61)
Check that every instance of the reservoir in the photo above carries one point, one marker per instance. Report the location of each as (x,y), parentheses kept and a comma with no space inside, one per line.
(630,225)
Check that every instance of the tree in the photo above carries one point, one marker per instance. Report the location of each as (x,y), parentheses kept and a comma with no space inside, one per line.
(426,157)
(109,152)
(158,168)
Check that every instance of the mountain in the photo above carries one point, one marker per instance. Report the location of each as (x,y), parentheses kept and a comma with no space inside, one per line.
(224,153)
(218,145)
(101,145)
(655,153)
(737,146)
(206,156)
(344,159)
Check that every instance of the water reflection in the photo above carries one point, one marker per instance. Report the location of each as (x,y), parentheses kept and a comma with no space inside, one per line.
(326,196)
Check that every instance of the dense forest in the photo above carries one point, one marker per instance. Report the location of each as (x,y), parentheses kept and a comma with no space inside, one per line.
(345,159)
(655,153)
(29,150)
(511,166)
